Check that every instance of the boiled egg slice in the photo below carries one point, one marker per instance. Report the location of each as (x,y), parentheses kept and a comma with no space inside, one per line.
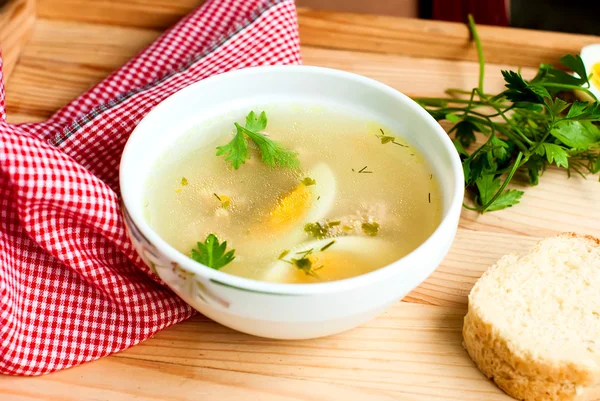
(591,60)
(309,201)
(331,259)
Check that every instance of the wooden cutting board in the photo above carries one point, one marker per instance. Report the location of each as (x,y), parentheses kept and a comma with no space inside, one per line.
(411,352)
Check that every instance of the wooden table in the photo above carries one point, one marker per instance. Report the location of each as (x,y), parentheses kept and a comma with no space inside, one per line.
(413,351)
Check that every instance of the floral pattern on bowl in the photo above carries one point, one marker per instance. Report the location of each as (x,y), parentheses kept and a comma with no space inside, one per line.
(185,283)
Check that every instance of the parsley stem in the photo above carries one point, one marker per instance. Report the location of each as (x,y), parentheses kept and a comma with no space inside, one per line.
(436,101)
(470,105)
(479,51)
(475,209)
(512,172)
(452,91)
(511,124)
(570,87)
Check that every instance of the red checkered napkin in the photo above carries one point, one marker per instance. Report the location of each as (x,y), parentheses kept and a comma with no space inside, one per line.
(72,289)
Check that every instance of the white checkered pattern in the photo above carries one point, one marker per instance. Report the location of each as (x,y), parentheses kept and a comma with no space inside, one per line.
(72,289)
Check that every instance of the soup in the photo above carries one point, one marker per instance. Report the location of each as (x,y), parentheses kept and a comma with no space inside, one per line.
(299,194)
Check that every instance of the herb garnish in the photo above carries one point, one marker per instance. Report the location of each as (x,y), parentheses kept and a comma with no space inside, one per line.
(304,263)
(370,229)
(283,254)
(211,253)
(307,181)
(388,138)
(320,230)
(273,154)
(327,245)
(184,181)
(364,170)
(532,126)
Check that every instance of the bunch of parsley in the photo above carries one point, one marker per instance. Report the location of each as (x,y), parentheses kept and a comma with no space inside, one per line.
(528,126)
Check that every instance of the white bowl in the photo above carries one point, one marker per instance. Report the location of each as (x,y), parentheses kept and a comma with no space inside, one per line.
(288,311)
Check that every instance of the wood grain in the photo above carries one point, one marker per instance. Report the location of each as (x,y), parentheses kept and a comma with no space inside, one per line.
(435,39)
(350,31)
(17,18)
(413,351)
(151,14)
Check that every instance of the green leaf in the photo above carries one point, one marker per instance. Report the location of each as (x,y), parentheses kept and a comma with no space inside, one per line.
(453,118)
(558,105)
(459,147)
(549,74)
(596,168)
(506,199)
(535,166)
(254,123)
(212,254)
(575,64)
(575,134)
(584,110)
(518,90)
(236,151)
(577,109)
(556,154)
(487,185)
(499,148)
(465,133)
(539,90)
(482,163)
(466,165)
(272,152)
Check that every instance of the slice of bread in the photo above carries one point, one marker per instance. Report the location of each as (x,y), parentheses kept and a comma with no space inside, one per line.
(533,324)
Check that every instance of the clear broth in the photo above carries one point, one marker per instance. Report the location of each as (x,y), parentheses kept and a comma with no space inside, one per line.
(389,184)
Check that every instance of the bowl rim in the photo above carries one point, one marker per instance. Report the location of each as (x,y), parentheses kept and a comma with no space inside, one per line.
(444,231)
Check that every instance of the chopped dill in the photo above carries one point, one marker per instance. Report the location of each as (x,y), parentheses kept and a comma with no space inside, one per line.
(217,196)
(184,181)
(429,197)
(320,230)
(305,253)
(364,170)
(327,245)
(283,254)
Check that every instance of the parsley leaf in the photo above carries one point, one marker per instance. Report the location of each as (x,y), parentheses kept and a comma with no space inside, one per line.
(530,125)
(575,64)
(256,123)
(465,132)
(211,253)
(576,134)
(535,167)
(487,185)
(272,153)
(555,154)
(236,151)
(508,198)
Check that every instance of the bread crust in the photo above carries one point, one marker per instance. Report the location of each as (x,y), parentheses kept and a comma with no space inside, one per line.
(518,373)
